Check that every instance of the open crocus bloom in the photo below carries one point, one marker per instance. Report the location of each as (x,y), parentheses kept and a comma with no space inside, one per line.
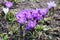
(51,4)
(21,18)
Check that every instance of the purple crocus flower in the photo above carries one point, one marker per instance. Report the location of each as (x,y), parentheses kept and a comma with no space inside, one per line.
(27,14)
(34,13)
(31,24)
(43,11)
(8,4)
(39,17)
(51,4)
(20,18)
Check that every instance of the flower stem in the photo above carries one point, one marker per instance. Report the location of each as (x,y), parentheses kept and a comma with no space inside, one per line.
(21,32)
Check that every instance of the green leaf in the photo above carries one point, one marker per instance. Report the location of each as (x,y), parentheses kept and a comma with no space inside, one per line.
(11,33)
(41,28)
(5,37)
(47,19)
(10,16)
(41,22)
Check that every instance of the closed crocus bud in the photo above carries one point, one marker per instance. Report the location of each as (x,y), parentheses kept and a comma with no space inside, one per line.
(8,4)
(5,10)
(51,4)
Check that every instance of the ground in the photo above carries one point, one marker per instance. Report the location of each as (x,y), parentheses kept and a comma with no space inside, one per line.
(30,4)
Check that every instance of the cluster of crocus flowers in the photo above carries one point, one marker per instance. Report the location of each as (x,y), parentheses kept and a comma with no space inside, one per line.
(31,17)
